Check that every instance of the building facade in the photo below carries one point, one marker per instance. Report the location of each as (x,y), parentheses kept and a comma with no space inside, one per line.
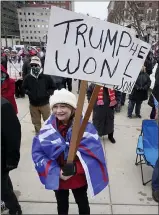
(34,20)
(9,22)
(146,13)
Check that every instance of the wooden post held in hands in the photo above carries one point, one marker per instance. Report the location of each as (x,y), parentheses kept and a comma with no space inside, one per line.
(76,124)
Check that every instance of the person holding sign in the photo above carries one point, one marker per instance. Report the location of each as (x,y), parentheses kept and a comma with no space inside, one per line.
(50,151)
(103,112)
(139,93)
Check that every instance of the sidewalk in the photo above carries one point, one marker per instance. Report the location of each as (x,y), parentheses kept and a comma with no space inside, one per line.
(125,193)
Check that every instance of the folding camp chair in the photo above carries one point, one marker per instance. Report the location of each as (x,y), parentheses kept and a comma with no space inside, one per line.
(147,146)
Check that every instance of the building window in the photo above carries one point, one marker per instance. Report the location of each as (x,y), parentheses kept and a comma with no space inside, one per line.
(42,26)
(22,32)
(33,20)
(37,20)
(39,32)
(41,14)
(26,37)
(46,14)
(149,14)
(38,26)
(34,32)
(35,37)
(21,20)
(28,13)
(24,13)
(20,13)
(31,32)
(150,4)
(33,14)
(29,20)
(46,26)
(26,26)
(26,32)
(31,37)
(140,4)
(30,26)
(22,26)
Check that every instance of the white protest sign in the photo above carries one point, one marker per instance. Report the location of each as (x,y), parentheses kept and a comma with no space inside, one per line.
(89,49)
(130,75)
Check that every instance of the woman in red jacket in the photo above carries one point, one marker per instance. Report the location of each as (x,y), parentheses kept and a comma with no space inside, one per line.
(8,88)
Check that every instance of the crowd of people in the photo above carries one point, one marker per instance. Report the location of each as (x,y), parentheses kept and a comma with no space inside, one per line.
(51,97)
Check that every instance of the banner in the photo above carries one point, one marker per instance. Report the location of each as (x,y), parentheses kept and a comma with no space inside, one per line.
(86,48)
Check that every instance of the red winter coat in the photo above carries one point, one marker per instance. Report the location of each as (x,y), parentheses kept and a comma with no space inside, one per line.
(8,89)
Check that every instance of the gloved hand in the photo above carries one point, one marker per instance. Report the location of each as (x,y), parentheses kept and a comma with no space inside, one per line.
(69,169)
(65,178)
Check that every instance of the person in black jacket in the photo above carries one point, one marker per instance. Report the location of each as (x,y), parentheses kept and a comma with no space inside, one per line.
(58,81)
(39,87)
(10,154)
(149,64)
(139,93)
(26,66)
(155,93)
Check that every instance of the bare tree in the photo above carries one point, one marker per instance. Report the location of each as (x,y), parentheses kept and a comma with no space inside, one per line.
(125,9)
(133,10)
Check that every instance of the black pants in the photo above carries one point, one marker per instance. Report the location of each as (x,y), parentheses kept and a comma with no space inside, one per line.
(19,91)
(80,195)
(123,98)
(8,195)
(131,105)
(153,113)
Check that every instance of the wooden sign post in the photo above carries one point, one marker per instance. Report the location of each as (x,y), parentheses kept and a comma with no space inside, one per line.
(87,114)
(78,130)
(77,119)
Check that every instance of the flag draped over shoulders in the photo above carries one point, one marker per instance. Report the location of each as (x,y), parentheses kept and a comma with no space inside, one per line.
(49,144)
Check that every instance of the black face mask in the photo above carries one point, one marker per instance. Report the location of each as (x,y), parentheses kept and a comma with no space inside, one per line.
(35,70)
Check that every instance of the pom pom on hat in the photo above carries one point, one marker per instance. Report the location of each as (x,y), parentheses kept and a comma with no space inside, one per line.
(63,96)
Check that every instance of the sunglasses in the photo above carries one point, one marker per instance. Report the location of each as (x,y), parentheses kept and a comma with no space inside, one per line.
(34,65)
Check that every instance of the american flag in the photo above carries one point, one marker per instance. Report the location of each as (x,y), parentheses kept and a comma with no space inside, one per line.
(49,144)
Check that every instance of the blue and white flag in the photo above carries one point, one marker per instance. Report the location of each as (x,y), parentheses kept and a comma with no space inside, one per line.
(155,101)
(49,144)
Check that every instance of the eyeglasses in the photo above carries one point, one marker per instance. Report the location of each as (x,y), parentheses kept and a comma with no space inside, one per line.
(34,65)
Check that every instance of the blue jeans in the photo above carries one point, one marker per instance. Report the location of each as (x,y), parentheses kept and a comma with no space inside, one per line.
(131,105)
(155,177)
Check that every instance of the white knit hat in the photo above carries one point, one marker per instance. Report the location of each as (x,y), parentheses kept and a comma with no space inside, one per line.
(35,60)
(63,96)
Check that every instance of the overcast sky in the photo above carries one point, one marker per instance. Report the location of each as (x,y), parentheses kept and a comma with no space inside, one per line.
(95,9)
